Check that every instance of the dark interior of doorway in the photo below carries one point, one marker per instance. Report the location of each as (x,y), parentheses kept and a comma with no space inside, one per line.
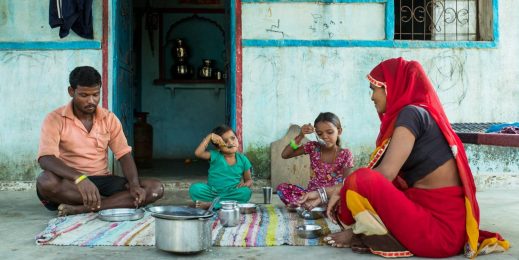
(150,30)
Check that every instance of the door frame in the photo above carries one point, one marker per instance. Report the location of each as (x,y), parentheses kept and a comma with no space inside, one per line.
(236,70)
(104,48)
(235,76)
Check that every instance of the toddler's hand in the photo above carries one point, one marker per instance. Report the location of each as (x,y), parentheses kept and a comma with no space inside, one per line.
(245,184)
(217,140)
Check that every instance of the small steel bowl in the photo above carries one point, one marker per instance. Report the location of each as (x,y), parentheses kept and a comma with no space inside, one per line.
(247,208)
(315,213)
(309,231)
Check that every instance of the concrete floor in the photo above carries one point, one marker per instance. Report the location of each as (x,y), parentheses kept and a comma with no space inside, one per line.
(22,217)
(176,170)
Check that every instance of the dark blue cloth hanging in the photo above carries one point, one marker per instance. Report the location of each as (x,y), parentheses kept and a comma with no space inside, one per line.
(72,14)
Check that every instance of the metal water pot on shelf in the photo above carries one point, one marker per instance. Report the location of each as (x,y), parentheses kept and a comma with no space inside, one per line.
(229,214)
(181,69)
(180,50)
(206,71)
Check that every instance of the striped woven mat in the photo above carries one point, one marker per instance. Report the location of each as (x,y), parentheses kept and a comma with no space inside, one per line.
(269,226)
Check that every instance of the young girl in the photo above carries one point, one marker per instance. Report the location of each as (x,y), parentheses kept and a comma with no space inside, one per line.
(329,163)
(229,171)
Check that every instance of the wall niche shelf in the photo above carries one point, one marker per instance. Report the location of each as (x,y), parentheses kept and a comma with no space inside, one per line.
(172,85)
(188,81)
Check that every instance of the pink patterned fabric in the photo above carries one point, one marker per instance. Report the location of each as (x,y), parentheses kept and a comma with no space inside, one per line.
(323,174)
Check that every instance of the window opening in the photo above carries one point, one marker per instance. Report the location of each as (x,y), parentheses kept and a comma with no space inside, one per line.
(437,20)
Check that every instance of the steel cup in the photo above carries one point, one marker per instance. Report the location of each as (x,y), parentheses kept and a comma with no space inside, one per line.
(267,194)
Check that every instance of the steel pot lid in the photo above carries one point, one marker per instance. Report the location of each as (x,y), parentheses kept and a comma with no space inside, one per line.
(179,212)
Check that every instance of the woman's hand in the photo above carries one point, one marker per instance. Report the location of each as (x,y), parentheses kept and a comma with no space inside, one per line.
(334,197)
(310,200)
(307,129)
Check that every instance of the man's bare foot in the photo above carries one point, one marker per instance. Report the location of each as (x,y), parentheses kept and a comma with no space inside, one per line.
(339,239)
(66,209)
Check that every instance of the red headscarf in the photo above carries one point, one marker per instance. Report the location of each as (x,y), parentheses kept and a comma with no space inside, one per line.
(406,83)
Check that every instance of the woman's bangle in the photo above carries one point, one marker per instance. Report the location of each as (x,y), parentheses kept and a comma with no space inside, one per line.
(294,145)
(323,195)
(79,179)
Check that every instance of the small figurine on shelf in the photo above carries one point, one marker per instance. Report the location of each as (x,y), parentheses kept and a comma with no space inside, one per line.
(217,74)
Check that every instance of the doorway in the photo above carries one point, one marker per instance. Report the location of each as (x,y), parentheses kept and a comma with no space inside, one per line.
(183,101)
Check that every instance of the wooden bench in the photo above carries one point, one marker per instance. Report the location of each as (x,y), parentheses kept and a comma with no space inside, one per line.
(474,133)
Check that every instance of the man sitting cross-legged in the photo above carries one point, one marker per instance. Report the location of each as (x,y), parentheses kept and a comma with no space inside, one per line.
(73,153)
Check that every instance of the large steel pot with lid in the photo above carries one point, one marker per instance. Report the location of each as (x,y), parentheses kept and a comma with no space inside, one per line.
(182,229)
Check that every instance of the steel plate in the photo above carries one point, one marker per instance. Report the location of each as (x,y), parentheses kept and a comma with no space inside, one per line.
(123,214)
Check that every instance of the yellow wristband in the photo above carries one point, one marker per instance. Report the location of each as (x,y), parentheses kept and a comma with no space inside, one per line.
(80,178)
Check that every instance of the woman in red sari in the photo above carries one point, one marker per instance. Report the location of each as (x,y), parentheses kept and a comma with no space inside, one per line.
(417,194)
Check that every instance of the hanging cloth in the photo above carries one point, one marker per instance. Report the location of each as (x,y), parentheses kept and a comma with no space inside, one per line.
(72,14)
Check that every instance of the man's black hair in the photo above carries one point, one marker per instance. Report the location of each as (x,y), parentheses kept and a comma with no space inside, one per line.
(84,76)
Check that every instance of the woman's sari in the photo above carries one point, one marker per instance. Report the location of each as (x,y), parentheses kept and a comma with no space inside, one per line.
(406,83)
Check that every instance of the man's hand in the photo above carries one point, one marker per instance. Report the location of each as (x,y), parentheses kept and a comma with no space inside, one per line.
(247,183)
(139,194)
(90,194)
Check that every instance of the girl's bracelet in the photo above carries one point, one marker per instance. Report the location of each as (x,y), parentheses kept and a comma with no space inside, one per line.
(294,145)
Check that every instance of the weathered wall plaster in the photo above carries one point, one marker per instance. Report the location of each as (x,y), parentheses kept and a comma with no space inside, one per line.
(281,86)
(293,84)
(28,20)
(313,21)
(34,84)
(34,81)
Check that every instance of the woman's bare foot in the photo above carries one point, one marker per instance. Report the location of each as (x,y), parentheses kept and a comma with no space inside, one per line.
(339,239)
(66,209)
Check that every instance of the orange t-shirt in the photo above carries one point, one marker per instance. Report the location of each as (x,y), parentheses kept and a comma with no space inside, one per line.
(64,136)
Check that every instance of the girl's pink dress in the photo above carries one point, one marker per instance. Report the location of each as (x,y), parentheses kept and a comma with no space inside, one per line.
(323,174)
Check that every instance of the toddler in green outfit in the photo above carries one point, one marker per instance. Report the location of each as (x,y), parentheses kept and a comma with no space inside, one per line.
(229,171)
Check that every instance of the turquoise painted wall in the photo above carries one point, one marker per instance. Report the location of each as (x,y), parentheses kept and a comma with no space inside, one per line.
(182,119)
(34,79)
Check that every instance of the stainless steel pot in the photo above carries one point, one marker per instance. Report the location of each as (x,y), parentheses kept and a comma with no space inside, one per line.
(182,229)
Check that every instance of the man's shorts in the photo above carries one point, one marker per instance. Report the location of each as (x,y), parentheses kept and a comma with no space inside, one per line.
(107,186)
